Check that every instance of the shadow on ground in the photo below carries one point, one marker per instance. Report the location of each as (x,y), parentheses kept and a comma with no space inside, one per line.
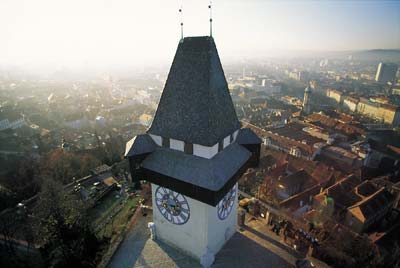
(241,251)
(252,248)
(274,242)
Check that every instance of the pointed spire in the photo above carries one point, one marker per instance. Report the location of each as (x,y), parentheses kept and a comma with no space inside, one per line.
(181,12)
(195,105)
(210,8)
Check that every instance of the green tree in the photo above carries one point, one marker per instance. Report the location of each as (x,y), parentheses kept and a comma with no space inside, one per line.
(60,165)
(87,163)
(16,247)
(62,229)
(21,183)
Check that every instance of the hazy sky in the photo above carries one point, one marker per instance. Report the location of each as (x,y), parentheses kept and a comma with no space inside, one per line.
(78,32)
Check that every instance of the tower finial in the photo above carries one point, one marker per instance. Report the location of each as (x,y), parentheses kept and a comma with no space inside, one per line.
(181,12)
(210,8)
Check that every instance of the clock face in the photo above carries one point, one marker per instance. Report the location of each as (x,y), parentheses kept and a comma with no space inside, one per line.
(225,206)
(172,205)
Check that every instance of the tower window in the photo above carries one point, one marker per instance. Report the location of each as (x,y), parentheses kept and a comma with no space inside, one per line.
(165,142)
(188,149)
(220,146)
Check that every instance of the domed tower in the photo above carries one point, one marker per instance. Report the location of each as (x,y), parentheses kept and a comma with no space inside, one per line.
(307,100)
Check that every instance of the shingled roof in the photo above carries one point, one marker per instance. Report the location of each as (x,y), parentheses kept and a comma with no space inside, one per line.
(140,144)
(195,106)
(210,174)
(247,136)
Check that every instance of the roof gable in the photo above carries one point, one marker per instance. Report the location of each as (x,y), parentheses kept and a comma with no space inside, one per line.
(372,205)
(140,144)
(195,105)
(247,136)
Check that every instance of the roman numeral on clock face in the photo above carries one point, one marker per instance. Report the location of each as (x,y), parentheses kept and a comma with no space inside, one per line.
(225,206)
(172,205)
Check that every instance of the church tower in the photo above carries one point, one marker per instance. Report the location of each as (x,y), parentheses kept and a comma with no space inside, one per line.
(194,153)
(307,100)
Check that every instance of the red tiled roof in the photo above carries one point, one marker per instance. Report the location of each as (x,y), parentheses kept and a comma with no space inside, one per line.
(287,142)
(371,205)
(390,107)
(323,173)
(341,192)
(300,177)
(354,100)
(294,201)
(323,119)
(338,121)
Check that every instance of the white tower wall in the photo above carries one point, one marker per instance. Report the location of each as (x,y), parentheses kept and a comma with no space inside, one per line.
(203,232)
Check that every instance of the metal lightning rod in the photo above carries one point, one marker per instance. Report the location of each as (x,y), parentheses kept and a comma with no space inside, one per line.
(181,12)
(210,8)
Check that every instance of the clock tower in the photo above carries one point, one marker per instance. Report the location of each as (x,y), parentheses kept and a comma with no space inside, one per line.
(307,100)
(194,153)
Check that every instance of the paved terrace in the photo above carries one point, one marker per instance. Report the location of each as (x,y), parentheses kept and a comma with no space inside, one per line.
(247,248)
(138,250)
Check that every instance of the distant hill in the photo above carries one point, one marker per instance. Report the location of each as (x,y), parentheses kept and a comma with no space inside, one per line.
(386,55)
(375,55)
